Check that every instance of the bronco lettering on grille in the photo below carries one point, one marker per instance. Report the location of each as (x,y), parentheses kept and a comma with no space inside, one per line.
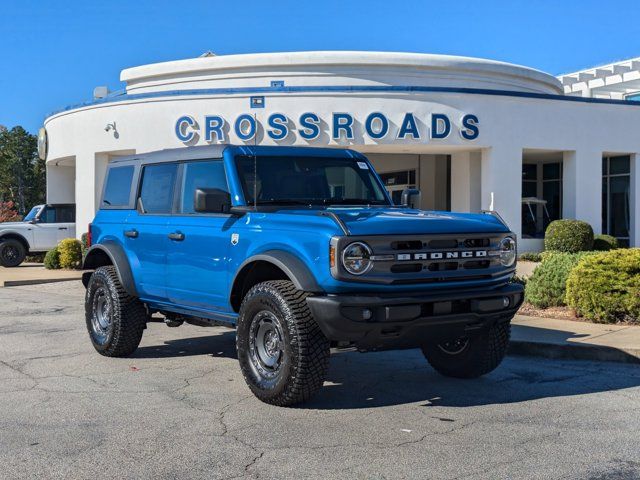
(442,255)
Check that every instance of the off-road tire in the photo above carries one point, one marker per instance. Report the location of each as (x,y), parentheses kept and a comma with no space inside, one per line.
(126,313)
(17,256)
(304,350)
(482,354)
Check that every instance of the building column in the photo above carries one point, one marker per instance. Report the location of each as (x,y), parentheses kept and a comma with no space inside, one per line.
(501,184)
(85,191)
(465,182)
(634,200)
(60,184)
(582,187)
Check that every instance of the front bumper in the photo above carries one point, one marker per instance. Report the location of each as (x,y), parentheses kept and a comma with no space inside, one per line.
(379,322)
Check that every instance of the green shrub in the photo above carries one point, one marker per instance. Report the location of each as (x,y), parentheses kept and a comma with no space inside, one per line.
(569,236)
(84,239)
(606,287)
(605,242)
(547,286)
(530,257)
(70,253)
(52,259)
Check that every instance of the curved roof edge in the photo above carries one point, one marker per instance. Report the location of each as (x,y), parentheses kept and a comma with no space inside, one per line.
(338,58)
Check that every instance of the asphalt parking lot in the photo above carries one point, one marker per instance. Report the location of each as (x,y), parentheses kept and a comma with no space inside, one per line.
(179,408)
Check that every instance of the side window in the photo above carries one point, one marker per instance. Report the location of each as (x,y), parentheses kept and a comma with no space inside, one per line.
(118,188)
(48,216)
(209,174)
(65,214)
(158,183)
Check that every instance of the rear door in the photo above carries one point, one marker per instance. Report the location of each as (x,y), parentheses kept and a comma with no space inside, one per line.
(146,229)
(197,254)
(66,220)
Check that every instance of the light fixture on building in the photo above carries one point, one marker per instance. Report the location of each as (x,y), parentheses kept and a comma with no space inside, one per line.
(110,126)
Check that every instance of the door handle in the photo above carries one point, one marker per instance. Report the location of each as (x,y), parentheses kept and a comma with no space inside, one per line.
(131,233)
(176,236)
(63,228)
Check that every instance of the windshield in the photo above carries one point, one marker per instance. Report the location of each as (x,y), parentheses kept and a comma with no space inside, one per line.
(32,214)
(309,181)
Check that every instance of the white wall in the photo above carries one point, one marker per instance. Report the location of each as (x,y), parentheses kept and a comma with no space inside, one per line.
(60,184)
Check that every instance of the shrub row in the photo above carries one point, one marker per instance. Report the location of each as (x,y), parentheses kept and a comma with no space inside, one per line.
(67,254)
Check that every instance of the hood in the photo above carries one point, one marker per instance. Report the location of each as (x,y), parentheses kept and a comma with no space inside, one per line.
(390,221)
(4,225)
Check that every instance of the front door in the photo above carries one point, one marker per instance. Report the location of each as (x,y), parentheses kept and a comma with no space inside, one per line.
(45,230)
(197,254)
(145,231)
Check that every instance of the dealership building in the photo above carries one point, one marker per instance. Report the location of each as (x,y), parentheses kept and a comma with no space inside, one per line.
(471,134)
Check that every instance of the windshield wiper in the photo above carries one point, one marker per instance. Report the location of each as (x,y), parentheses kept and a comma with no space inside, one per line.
(351,201)
(284,201)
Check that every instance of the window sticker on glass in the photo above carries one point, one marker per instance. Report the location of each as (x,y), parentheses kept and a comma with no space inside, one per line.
(363,165)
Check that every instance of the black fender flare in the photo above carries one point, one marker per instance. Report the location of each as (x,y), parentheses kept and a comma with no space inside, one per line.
(290,264)
(119,260)
(13,235)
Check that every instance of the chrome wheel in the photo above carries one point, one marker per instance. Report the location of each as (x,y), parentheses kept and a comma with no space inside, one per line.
(266,344)
(101,315)
(454,347)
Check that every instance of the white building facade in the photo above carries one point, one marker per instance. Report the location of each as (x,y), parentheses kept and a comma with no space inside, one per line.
(472,134)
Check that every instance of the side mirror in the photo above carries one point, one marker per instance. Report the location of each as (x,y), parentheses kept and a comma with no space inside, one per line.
(411,198)
(211,200)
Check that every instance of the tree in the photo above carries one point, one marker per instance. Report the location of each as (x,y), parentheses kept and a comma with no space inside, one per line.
(8,212)
(22,173)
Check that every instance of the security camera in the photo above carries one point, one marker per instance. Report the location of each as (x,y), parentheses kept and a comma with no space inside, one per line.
(110,126)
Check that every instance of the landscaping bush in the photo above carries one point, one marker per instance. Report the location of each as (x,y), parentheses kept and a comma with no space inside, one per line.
(605,287)
(70,253)
(52,259)
(569,236)
(530,257)
(605,242)
(547,286)
(84,239)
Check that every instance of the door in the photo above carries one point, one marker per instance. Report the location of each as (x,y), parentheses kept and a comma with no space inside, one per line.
(197,263)
(145,231)
(66,221)
(45,230)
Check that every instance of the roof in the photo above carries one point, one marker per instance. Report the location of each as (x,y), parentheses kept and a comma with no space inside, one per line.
(612,81)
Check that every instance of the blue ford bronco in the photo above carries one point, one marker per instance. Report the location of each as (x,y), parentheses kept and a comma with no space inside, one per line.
(301,250)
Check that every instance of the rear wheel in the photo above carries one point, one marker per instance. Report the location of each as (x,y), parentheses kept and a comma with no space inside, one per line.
(283,354)
(470,357)
(12,253)
(115,320)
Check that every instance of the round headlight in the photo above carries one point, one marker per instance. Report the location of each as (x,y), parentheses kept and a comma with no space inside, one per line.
(508,251)
(356,258)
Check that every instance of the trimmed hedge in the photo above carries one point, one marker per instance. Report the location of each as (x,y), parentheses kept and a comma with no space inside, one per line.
(547,286)
(84,239)
(605,287)
(530,257)
(70,253)
(605,243)
(569,236)
(52,259)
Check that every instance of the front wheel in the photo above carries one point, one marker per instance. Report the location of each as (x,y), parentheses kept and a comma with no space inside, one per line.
(12,253)
(283,354)
(470,357)
(115,320)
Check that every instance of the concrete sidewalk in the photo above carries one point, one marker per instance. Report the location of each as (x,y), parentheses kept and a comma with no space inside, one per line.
(35,273)
(553,338)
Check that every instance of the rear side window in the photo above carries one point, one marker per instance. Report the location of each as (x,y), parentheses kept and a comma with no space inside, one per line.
(209,174)
(118,187)
(65,214)
(158,183)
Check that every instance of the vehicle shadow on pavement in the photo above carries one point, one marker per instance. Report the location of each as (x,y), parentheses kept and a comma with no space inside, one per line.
(392,378)
(216,345)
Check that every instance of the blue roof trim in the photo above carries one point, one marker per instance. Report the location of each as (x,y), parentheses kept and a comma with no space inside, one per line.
(120,97)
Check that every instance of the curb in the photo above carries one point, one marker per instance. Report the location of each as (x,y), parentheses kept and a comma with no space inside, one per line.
(20,283)
(574,351)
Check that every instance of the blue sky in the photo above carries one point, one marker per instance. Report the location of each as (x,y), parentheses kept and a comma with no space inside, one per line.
(53,54)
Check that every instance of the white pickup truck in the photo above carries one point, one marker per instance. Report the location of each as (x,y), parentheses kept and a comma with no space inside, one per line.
(40,231)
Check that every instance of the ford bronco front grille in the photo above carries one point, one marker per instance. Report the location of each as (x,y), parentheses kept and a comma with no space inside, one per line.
(429,258)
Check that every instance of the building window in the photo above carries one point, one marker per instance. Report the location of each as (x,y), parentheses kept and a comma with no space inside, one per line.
(541,197)
(616,184)
(396,182)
